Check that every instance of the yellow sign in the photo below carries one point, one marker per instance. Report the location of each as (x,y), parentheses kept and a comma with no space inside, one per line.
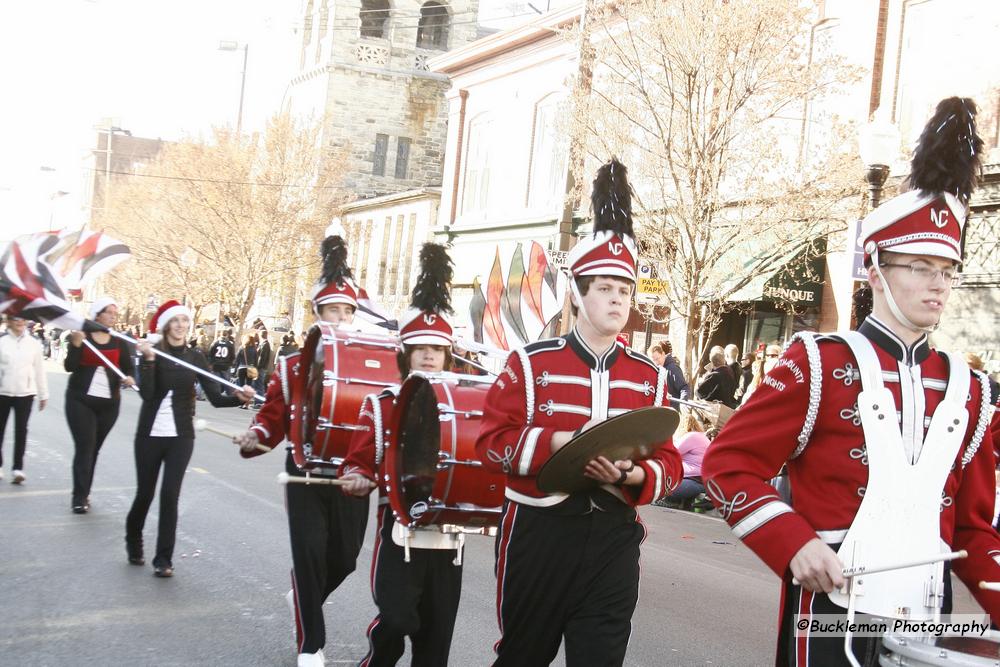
(649,288)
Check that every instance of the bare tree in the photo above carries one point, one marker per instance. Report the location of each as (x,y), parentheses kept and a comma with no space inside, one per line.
(711,103)
(227,220)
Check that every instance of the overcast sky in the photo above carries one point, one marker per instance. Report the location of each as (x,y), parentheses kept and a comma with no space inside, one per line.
(153,66)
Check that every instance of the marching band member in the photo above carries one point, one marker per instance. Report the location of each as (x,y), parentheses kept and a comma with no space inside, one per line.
(326,528)
(418,598)
(165,432)
(93,395)
(886,438)
(567,566)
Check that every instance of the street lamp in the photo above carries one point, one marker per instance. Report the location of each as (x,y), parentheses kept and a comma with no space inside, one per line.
(234,46)
(879,144)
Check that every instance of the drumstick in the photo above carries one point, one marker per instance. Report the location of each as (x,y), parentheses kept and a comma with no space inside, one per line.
(989,585)
(860,570)
(284,478)
(202,425)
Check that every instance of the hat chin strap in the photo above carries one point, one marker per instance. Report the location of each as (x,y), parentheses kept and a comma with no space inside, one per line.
(580,309)
(893,307)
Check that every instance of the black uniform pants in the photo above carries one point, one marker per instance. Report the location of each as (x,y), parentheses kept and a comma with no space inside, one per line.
(796,649)
(173,454)
(21,405)
(326,529)
(572,576)
(90,420)
(418,599)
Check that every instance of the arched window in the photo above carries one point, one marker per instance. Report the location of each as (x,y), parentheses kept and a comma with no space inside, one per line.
(374,17)
(547,169)
(432,30)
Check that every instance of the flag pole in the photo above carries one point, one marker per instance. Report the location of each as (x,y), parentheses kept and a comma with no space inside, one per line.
(179,362)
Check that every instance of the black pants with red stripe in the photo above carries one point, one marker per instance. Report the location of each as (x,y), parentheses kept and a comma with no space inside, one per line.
(568,572)
(326,529)
(803,650)
(418,599)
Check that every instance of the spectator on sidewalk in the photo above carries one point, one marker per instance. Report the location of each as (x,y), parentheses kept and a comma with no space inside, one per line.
(221,354)
(22,379)
(677,386)
(692,446)
(718,384)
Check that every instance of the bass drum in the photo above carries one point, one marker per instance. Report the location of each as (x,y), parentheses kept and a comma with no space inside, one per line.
(964,651)
(432,475)
(337,369)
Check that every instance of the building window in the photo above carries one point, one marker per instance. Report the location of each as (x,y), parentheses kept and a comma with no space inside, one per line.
(432,28)
(366,237)
(476,192)
(397,243)
(407,265)
(547,170)
(402,156)
(381,148)
(374,17)
(384,256)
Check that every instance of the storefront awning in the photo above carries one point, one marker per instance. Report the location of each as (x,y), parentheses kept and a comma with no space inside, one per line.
(796,279)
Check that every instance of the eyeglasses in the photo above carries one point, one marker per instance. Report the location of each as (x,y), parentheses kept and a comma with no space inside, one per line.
(928,275)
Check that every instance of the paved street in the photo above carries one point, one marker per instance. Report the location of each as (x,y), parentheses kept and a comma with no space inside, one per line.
(70,598)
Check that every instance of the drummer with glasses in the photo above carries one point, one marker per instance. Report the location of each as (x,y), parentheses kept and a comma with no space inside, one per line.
(567,565)
(886,439)
(416,596)
(326,528)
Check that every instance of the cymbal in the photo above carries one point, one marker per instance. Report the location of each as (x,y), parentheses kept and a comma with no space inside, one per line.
(633,435)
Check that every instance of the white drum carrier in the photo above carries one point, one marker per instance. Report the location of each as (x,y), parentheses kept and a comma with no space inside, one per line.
(899,516)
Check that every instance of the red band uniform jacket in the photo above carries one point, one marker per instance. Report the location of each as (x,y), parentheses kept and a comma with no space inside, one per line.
(560,384)
(823,442)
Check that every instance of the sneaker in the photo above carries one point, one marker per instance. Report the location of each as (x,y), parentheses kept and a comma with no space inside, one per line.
(79,509)
(163,571)
(18,477)
(134,550)
(312,659)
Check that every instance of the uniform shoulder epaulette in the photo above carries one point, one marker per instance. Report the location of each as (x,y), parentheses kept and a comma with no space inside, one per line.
(543,345)
(639,356)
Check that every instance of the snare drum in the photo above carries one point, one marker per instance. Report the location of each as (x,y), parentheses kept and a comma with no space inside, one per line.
(337,369)
(965,651)
(432,475)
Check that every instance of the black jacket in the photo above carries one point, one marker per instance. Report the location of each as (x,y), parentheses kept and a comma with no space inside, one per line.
(159,376)
(677,386)
(222,354)
(247,356)
(81,373)
(264,356)
(719,385)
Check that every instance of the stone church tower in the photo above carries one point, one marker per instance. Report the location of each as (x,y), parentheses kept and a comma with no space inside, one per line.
(363,63)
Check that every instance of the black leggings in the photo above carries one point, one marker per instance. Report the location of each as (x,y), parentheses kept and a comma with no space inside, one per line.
(90,420)
(22,410)
(150,452)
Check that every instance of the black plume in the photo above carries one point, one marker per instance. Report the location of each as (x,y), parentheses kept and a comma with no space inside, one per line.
(948,153)
(611,199)
(432,291)
(334,254)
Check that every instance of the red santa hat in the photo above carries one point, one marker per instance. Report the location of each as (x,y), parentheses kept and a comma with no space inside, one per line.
(425,323)
(929,219)
(611,249)
(166,312)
